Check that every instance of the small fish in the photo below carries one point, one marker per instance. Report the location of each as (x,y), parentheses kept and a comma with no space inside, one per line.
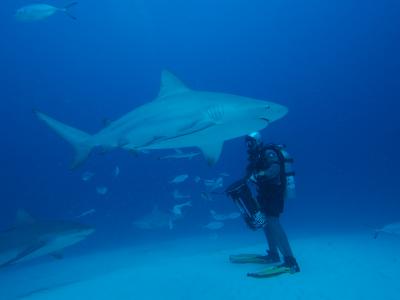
(180,155)
(213,184)
(214,225)
(86,213)
(177,209)
(234,215)
(101,190)
(223,174)
(87,176)
(179,178)
(197,179)
(116,171)
(156,219)
(39,11)
(221,217)
(177,195)
(393,228)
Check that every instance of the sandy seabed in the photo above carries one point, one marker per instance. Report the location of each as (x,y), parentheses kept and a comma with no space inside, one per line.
(333,266)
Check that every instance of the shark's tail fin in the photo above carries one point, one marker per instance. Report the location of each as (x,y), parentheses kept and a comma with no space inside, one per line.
(66,8)
(80,141)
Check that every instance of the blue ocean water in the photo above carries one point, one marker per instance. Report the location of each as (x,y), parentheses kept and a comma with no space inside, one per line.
(335,65)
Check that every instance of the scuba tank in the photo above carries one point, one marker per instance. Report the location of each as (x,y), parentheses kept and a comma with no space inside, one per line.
(287,172)
(290,191)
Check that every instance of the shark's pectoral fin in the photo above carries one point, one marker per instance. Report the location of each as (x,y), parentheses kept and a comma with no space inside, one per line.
(27,251)
(212,151)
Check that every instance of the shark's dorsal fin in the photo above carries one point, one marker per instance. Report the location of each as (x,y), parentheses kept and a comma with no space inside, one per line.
(23,217)
(170,85)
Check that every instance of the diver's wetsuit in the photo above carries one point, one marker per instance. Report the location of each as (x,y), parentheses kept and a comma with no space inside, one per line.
(265,172)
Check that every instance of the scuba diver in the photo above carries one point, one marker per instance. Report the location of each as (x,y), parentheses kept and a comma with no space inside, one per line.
(269,171)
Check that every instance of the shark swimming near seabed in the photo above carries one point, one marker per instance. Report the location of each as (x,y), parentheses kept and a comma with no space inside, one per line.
(178,118)
(29,238)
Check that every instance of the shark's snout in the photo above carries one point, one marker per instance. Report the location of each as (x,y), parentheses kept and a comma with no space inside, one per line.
(273,112)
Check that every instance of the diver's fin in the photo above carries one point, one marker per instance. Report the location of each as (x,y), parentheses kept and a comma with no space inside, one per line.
(271,272)
(250,259)
(80,141)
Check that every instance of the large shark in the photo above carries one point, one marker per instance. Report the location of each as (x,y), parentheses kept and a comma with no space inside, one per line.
(179,117)
(29,238)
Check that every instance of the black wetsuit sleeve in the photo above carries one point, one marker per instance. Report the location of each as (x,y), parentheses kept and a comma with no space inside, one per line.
(272,172)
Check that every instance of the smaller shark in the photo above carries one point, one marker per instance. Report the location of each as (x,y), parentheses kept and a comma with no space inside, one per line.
(28,238)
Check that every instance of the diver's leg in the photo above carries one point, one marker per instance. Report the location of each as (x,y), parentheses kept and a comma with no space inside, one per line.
(283,244)
(275,230)
(271,241)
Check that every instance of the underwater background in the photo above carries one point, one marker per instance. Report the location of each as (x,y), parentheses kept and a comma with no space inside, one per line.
(334,64)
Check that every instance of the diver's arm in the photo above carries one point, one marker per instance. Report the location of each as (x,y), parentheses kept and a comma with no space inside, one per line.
(271,172)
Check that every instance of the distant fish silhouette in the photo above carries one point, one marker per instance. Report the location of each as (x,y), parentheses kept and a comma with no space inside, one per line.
(393,228)
(116,171)
(179,178)
(39,11)
(221,217)
(214,225)
(197,179)
(86,213)
(180,155)
(177,209)
(101,190)
(87,176)
(213,184)
(156,219)
(178,195)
